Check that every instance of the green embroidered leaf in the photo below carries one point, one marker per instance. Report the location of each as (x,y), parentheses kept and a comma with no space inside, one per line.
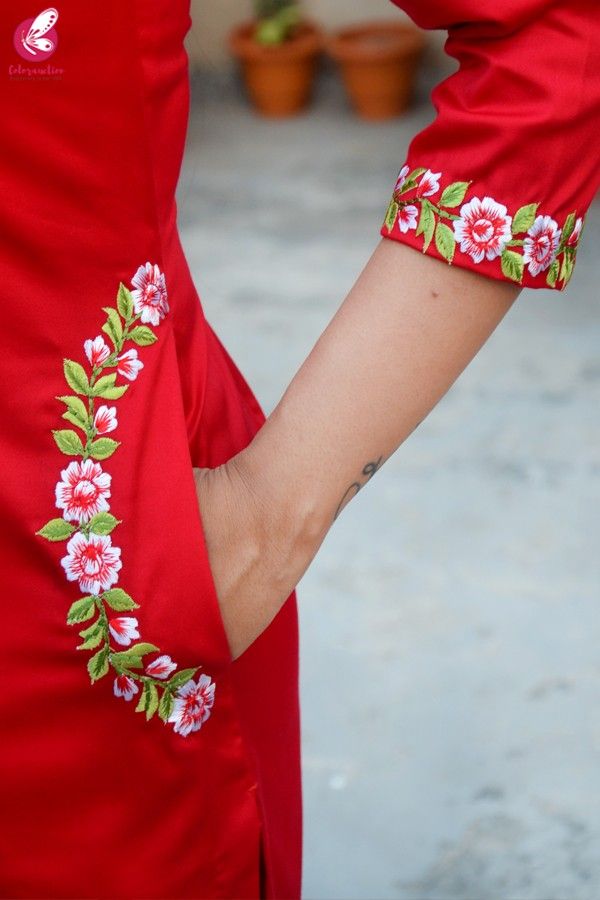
(512,265)
(127,660)
(552,276)
(75,420)
(76,378)
(119,600)
(98,664)
(107,381)
(56,530)
(103,523)
(152,700)
(567,231)
(103,448)
(444,241)
(113,326)
(142,648)
(124,302)
(454,194)
(143,700)
(142,335)
(92,636)
(524,218)
(181,677)
(68,441)
(426,225)
(410,182)
(390,216)
(81,610)
(165,706)
(76,406)
(567,266)
(114,393)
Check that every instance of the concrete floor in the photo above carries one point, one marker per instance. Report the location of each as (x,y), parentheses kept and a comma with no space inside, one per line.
(450,628)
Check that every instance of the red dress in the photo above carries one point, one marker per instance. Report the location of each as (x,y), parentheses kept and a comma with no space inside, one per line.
(109,396)
(138,760)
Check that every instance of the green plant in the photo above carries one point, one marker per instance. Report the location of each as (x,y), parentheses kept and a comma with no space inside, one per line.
(277,20)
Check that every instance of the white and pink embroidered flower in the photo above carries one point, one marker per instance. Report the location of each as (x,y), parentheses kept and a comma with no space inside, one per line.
(105,419)
(161,667)
(125,687)
(407,218)
(128,364)
(484,228)
(192,705)
(429,184)
(150,294)
(124,629)
(83,491)
(97,351)
(93,561)
(401,177)
(576,233)
(541,244)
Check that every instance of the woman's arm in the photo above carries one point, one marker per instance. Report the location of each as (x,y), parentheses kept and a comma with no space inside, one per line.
(400,339)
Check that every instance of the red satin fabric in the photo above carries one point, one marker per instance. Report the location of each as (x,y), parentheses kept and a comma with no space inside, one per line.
(519,119)
(94,800)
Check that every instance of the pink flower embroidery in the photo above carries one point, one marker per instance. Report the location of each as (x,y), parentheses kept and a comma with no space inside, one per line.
(128,364)
(150,294)
(105,419)
(97,351)
(124,629)
(83,491)
(93,561)
(192,705)
(407,218)
(162,667)
(541,244)
(429,184)
(401,177)
(125,687)
(576,233)
(484,228)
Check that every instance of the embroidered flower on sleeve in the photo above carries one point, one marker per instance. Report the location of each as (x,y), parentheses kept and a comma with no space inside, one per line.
(541,244)
(83,491)
(407,218)
(484,228)
(193,704)
(128,364)
(92,561)
(83,494)
(150,294)
(429,184)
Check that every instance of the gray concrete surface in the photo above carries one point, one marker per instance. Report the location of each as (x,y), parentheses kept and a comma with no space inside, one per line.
(450,628)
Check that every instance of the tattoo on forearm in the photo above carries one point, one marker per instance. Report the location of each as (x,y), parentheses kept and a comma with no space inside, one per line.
(368,470)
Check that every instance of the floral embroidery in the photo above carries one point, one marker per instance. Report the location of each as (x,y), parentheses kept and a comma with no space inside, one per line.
(482,228)
(83,493)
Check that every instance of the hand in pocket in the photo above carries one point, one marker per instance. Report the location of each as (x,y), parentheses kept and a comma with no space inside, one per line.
(253,561)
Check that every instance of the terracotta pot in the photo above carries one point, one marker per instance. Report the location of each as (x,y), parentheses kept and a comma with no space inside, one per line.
(378,61)
(278,78)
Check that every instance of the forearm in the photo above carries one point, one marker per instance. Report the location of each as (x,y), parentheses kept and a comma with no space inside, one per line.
(403,335)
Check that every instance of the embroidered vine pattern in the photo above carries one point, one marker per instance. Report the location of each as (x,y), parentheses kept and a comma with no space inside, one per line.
(87,524)
(483,228)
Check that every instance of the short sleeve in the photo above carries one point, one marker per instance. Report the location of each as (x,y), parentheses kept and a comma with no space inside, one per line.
(501,181)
